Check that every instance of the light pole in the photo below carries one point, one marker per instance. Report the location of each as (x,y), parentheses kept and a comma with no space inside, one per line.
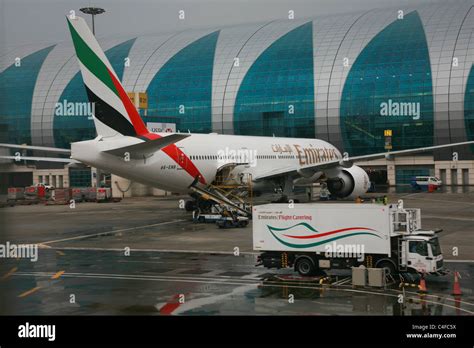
(92,11)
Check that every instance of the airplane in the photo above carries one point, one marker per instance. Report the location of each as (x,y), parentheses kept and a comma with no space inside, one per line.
(176,162)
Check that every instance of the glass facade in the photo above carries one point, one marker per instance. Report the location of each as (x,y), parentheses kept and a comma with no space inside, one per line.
(78,125)
(182,88)
(16,90)
(389,87)
(277,93)
(404,174)
(290,81)
(469,107)
(80,177)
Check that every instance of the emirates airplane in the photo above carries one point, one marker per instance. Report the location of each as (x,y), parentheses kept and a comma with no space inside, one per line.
(175,162)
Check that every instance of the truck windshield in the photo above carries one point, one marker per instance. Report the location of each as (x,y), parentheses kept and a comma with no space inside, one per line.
(435,248)
(418,247)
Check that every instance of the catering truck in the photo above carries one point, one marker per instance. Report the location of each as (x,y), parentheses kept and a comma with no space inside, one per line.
(317,237)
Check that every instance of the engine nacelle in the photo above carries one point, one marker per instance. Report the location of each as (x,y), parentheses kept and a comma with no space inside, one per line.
(350,183)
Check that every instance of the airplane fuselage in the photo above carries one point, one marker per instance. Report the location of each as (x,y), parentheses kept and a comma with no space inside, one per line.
(172,168)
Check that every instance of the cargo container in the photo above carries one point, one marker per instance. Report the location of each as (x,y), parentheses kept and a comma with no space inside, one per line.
(62,195)
(79,194)
(31,195)
(15,194)
(104,194)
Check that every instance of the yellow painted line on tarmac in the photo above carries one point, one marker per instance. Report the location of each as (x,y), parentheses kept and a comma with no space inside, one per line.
(57,275)
(9,273)
(60,253)
(29,292)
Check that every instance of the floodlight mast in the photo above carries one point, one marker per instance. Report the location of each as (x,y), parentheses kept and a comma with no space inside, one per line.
(93,11)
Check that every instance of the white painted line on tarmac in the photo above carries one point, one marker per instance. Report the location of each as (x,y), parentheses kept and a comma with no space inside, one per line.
(192,251)
(215,279)
(342,281)
(410,195)
(236,282)
(230,280)
(111,232)
(440,200)
(447,217)
(252,277)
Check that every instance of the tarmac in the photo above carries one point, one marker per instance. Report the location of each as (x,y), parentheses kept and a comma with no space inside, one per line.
(146,256)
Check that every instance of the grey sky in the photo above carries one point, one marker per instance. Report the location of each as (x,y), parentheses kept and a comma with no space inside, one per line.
(29,21)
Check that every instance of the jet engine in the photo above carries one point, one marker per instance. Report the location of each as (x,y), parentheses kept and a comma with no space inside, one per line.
(349,183)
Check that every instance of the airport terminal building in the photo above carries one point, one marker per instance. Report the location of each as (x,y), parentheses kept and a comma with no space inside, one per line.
(367,82)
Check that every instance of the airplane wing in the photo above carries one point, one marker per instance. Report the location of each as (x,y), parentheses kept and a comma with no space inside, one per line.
(347,162)
(40,148)
(145,148)
(44,159)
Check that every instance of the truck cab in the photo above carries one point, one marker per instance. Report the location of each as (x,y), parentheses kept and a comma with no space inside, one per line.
(422,252)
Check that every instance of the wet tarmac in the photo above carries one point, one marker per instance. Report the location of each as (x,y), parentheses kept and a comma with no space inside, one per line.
(145,256)
(74,282)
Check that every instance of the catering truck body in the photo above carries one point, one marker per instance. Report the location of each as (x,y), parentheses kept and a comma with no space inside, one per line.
(315,237)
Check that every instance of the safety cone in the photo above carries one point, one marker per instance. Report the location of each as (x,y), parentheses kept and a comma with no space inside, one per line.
(422,286)
(457,286)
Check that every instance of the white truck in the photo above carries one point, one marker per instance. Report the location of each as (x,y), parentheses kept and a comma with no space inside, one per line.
(316,237)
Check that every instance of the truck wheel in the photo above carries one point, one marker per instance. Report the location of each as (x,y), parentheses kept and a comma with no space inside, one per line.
(305,267)
(388,266)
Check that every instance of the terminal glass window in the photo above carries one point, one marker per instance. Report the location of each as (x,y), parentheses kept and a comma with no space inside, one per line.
(79,177)
(182,88)
(469,107)
(277,93)
(389,87)
(17,83)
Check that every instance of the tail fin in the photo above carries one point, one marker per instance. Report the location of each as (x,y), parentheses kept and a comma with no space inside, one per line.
(113,109)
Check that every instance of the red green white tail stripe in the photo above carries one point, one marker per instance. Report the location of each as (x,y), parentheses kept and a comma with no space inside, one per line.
(114,111)
(113,107)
